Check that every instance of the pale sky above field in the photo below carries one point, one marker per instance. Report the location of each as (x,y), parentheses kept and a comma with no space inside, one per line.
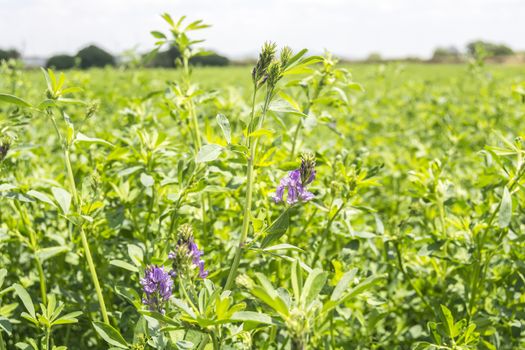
(349,28)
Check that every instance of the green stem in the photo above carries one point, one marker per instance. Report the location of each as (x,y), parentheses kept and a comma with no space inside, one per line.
(94,276)
(76,200)
(249,193)
(216,345)
(195,122)
(325,232)
(409,279)
(2,345)
(203,343)
(295,137)
(245,221)
(317,91)
(185,293)
(48,339)
(34,247)
(85,244)
(43,288)
(479,269)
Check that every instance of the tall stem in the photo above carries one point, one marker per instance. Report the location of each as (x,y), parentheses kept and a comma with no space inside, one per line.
(295,136)
(34,247)
(245,220)
(76,201)
(317,91)
(85,244)
(248,199)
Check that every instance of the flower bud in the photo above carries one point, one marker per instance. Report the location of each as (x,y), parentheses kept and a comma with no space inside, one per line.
(4,148)
(307,168)
(266,57)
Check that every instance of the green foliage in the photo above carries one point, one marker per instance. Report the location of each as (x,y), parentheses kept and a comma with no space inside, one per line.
(413,238)
(491,49)
(446,54)
(6,55)
(61,62)
(93,56)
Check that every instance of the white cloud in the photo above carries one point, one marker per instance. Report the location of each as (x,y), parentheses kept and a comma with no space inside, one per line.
(349,28)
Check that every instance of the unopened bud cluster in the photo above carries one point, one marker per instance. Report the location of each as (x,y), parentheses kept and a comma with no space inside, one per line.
(269,69)
(4,148)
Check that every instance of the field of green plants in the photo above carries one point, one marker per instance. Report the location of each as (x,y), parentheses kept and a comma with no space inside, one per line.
(294,204)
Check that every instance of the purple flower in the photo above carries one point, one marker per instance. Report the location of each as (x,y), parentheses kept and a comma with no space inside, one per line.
(4,148)
(187,255)
(157,285)
(196,258)
(296,181)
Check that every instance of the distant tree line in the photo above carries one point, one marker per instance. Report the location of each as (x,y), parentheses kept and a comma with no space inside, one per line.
(9,54)
(93,56)
(451,54)
(169,58)
(88,57)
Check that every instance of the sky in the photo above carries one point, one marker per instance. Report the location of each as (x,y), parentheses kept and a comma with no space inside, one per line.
(348,28)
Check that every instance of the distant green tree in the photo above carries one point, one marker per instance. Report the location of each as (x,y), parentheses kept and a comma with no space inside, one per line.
(446,54)
(490,49)
(210,60)
(374,57)
(61,62)
(8,54)
(93,56)
(165,59)
(168,59)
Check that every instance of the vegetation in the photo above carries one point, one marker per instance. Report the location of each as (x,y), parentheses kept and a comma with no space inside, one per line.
(288,205)
(61,62)
(5,55)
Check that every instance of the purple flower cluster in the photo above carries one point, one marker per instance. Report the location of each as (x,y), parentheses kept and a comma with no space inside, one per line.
(187,255)
(296,181)
(157,285)
(192,250)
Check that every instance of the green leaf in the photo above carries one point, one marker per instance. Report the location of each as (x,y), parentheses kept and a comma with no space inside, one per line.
(208,153)
(250,316)
(449,321)
(41,197)
(158,34)
(295,279)
(358,289)
(505,209)
(283,246)
(147,180)
(14,100)
(276,229)
(125,265)
(283,106)
(110,335)
(136,254)
(313,286)
(3,273)
(7,187)
(225,127)
(184,345)
(86,139)
(47,253)
(26,299)
(63,198)
(342,285)
(5,325)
